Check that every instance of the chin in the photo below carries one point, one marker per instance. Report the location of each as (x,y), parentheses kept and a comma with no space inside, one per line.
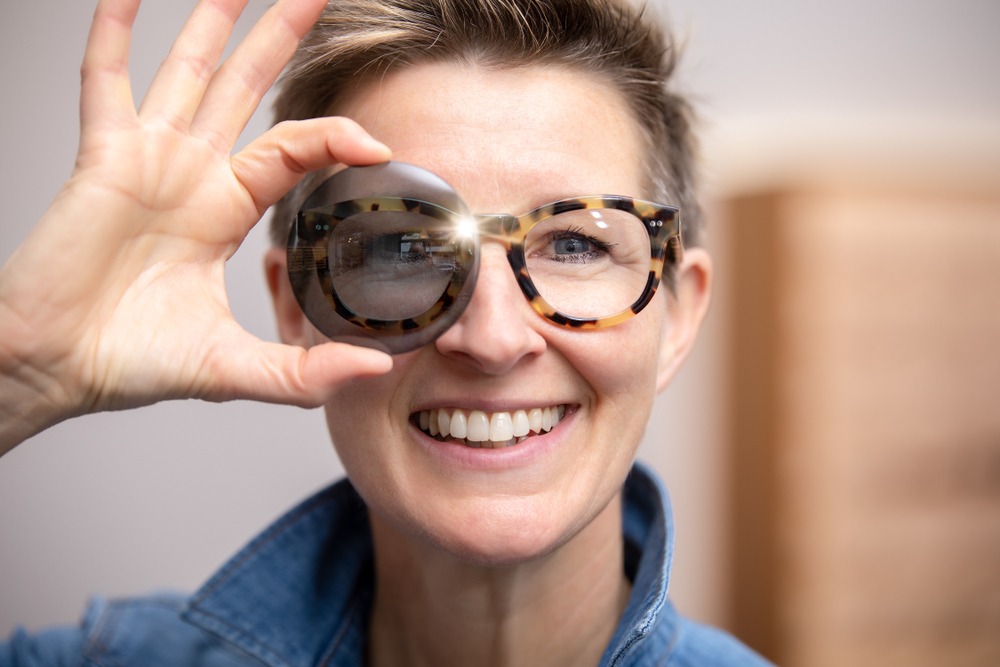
(502,545)
(492,532)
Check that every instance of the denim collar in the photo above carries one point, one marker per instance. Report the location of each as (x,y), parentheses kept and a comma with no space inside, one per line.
(649,623)
(300,594)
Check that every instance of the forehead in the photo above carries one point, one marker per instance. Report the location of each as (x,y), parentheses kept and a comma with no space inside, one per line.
(507,139)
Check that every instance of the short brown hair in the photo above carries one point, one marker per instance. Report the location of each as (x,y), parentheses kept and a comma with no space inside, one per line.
(356,40)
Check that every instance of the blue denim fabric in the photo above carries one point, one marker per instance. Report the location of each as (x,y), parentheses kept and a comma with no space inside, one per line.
(299,595)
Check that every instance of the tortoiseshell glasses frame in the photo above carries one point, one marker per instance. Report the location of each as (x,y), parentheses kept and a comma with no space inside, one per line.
(309,256)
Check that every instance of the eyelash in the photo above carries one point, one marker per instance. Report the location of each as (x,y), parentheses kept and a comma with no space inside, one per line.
(577,233)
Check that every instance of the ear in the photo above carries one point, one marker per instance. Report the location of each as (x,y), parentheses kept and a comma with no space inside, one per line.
(293,328)
(686,310)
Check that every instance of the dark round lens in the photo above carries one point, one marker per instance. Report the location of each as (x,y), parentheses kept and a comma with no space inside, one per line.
(377,257)
(392,265)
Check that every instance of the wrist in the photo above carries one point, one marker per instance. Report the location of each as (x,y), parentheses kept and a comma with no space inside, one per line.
(29,395)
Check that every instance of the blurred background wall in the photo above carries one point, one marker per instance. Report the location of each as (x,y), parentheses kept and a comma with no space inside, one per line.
(832,446)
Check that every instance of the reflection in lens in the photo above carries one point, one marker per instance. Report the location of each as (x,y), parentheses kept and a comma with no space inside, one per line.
(391,265)
(589,263)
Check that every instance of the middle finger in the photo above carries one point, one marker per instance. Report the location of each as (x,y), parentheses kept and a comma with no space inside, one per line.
(177,89)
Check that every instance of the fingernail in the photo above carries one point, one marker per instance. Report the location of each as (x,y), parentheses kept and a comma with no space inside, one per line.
(371,143)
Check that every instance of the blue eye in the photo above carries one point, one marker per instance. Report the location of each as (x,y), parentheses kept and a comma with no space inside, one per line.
(572,245)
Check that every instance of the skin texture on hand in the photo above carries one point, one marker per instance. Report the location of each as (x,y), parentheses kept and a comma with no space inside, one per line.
(117,297)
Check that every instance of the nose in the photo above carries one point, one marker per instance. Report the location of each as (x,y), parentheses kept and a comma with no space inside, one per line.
(498,328)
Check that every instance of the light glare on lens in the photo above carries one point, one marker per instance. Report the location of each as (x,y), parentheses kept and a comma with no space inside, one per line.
(466,227)
(599,219)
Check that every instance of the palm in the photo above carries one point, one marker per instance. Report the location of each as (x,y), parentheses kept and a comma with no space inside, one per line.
(179,213)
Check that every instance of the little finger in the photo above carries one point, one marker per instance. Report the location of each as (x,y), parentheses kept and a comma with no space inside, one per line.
(106,93)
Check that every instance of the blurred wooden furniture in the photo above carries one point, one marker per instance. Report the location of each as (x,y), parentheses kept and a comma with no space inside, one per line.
(866,425)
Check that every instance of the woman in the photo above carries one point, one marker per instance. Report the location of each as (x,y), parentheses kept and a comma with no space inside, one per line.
(502,521)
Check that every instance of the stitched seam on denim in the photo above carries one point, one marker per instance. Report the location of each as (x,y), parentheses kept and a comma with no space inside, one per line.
(350,613)
(262,652)
(315,509)
(277,530)
(95,651)
(652,615)
(670,653)
(219,623)
(335,643)
(96,647)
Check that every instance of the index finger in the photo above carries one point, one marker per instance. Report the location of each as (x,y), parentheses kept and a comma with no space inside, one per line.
(238,87)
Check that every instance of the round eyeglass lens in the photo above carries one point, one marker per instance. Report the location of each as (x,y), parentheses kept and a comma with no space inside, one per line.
(393,265)
(589,263)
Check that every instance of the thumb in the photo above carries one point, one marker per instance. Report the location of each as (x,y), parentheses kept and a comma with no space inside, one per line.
(278,373)
(273,163)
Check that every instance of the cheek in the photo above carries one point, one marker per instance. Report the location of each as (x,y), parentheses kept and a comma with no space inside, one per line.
(620,363)
(361,411)
(618,366)
(361,420)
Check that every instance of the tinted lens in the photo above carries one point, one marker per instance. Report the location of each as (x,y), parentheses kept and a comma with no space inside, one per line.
(589,263)
(392,265)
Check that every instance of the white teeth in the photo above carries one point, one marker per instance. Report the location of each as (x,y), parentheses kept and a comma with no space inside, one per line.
(534,420)
(521,426)
(501,427)
(444,422)
(459,427)
(479,427)
(497,430)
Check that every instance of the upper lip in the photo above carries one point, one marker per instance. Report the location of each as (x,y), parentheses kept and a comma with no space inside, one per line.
(488,406)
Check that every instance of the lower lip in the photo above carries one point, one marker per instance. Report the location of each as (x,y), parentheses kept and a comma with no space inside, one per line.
(520,455)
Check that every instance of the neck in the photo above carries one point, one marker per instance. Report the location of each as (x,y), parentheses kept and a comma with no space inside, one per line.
(560,609)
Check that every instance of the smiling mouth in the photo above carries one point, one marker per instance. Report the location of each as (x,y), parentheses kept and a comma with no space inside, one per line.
(487,430)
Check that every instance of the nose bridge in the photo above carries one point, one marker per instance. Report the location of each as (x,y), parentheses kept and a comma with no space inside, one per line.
(499,227)
(504,228)
(494,331)
(496,274)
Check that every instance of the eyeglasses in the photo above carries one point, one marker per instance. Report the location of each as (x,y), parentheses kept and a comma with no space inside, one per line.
(387,256)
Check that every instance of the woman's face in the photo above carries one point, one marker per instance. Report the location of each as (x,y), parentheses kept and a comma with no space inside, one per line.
(507,141)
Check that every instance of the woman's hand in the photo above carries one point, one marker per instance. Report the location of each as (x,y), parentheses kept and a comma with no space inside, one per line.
(117,297)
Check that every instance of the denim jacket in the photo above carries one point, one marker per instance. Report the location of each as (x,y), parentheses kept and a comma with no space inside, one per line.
(299,595)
